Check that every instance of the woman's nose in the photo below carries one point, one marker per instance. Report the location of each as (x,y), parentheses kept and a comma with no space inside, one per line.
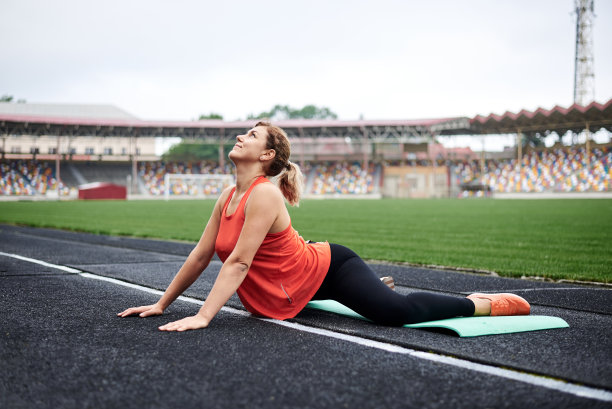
(239,138)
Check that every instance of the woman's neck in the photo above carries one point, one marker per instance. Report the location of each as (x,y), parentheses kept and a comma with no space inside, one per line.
(246,175)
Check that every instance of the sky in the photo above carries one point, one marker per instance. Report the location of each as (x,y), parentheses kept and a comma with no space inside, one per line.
(382,59)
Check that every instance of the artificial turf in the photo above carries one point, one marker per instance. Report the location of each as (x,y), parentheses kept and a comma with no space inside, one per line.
(558,239)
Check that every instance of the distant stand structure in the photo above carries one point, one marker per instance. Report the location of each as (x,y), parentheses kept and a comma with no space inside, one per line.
(584,76)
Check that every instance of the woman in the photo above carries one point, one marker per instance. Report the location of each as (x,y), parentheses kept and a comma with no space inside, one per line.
(275,272)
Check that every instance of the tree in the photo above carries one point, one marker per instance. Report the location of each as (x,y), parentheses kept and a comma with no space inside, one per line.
(533,140)
(280,112)
(212,115)
(312,112)
(194,152)
(10,98)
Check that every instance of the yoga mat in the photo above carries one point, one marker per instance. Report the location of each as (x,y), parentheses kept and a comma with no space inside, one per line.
(463,326)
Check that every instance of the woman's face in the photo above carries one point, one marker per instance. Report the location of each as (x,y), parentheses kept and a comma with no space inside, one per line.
(251,145)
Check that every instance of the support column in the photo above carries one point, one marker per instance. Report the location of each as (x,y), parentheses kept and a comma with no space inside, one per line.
(519,143)
(482,158)
(588,146)
(451,161)
(134,187)
(57,165)
(364,147)
(302,147)
(221,152)
(221,155)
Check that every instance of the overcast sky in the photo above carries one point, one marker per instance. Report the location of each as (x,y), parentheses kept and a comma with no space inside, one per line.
(378,59)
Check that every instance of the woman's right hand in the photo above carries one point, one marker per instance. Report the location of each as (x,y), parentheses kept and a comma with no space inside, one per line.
(142,311)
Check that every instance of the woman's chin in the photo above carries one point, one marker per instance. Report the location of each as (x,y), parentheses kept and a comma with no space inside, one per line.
(233,155)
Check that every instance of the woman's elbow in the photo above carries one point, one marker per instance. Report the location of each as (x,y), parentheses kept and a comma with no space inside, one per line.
(239,266)
(202,259)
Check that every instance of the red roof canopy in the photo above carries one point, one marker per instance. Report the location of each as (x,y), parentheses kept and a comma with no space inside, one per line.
(215,123)
(558,119)
(37,124)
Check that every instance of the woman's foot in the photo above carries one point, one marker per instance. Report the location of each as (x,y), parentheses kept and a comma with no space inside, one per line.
(389,282)
(499,304)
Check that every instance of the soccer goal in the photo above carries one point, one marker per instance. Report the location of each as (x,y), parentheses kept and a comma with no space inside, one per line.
(187,186)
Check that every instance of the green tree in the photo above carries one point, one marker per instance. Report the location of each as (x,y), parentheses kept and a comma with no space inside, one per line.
(313,112)
(280,112)
(6,98)
(533,140)
(194,152)
(212,115)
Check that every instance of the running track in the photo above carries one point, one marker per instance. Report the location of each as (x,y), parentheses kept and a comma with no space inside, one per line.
(63,346)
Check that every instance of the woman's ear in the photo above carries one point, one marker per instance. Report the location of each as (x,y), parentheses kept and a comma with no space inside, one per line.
(268,154)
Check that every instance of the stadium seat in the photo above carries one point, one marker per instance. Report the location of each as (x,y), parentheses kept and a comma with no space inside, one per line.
(556,170)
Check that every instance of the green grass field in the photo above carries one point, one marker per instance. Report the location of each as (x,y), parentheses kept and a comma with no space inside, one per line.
(569,239)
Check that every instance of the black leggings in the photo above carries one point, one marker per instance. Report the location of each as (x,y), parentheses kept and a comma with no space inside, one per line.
(351,282)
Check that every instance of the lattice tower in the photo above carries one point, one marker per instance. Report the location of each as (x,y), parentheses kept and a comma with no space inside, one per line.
(584,76)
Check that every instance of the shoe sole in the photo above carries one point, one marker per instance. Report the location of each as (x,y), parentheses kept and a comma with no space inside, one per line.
(389,282)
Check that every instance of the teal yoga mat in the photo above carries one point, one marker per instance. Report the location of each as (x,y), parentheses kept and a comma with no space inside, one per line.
(463,326)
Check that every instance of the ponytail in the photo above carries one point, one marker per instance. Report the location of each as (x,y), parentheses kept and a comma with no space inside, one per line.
(291,183)
(290,179)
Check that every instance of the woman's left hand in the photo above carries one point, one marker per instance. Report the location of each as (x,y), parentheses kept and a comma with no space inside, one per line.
(187,323)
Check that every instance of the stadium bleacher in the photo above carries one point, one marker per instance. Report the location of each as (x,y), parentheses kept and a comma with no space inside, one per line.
(37,178)
(153,176)
(554,170)
(341,178)
(28,178)
(564,169)
(321,179)
(89,172)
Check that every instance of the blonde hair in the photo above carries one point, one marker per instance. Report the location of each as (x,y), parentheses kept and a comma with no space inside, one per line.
(290,178)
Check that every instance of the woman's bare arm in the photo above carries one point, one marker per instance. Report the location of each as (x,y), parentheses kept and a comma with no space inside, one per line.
(196,262)
(263,208)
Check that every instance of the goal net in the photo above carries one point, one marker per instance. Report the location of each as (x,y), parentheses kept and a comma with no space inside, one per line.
(179,185)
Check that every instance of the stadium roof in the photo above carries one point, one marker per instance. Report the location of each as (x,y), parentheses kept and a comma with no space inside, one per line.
(105,120)
(576,118)
(44,124)
(82,111)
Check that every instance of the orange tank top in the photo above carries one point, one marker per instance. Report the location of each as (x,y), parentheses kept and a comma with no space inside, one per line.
(286,271)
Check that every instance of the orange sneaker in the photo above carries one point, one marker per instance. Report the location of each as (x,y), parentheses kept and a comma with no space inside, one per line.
(505,303)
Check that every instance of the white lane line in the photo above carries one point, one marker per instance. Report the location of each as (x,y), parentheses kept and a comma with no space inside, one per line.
(554,384)
(42,263)
(547,289)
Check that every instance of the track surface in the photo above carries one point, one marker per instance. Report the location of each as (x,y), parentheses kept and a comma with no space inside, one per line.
(62,345)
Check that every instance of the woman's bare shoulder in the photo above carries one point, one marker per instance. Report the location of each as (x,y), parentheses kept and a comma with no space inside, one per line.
(266,189)
(267,193)
(224,196)
(226,192)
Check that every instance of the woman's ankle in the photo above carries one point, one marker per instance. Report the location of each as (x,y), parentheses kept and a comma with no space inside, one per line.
(482,306)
